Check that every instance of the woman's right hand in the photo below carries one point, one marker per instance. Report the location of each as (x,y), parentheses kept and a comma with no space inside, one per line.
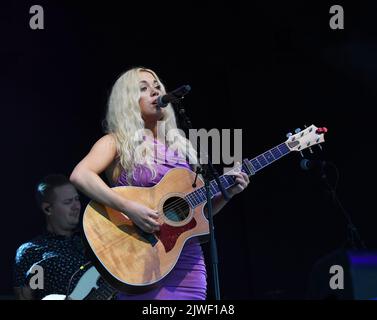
(144,217)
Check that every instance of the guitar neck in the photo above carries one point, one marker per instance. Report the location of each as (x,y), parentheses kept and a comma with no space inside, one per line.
(250,167)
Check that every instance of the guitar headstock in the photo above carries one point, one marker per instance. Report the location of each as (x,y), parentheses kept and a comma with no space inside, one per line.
(306,138)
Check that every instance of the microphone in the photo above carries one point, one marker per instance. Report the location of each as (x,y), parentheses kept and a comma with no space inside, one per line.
(172,96)
(306,164)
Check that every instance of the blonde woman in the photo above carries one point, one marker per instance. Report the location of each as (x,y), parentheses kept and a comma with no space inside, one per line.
(133,153)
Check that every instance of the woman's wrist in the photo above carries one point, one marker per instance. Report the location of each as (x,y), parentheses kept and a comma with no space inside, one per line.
(128,208)
(230,195)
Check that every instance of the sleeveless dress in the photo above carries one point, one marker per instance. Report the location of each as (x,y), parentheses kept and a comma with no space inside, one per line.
(187,280)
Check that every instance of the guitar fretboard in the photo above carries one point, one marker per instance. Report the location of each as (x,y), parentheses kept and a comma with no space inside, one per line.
(250,167)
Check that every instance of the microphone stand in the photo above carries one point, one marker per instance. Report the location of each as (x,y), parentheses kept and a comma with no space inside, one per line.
(352,232)
(208,171)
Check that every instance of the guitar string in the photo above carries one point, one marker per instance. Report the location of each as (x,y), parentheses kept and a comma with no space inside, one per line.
(176,205)
(180,200)
(181,203)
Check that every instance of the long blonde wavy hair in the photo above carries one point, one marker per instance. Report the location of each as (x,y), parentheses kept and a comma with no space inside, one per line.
(124,121)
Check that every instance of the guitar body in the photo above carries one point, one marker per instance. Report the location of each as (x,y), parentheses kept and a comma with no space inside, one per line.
(89,287)
(86,284)
(132,260)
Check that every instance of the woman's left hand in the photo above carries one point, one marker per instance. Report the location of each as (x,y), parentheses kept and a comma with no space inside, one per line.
(242,181)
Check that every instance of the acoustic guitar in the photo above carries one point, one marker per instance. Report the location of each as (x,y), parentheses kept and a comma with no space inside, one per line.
(132,260)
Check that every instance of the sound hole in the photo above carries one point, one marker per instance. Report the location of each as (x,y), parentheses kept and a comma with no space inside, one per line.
(176,209)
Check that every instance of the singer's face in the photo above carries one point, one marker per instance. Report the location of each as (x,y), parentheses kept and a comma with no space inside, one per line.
(149,92)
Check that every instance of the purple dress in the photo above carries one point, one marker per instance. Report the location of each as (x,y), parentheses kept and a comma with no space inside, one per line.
(187,280)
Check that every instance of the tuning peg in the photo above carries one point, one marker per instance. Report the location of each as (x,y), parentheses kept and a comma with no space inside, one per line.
(302,155)
(322,130)
(298,130)
(289,134)
(310,149)
(320,147)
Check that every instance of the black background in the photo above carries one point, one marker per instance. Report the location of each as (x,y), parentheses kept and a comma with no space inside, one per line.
(263,68)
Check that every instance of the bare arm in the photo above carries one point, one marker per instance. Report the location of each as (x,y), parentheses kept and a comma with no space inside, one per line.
(86,178)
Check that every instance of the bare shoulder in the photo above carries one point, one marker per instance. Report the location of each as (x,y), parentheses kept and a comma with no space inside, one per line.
(107,140)
(101,155)
(105,145)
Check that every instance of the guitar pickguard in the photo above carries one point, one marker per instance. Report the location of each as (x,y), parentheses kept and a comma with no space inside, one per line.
(168,235)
